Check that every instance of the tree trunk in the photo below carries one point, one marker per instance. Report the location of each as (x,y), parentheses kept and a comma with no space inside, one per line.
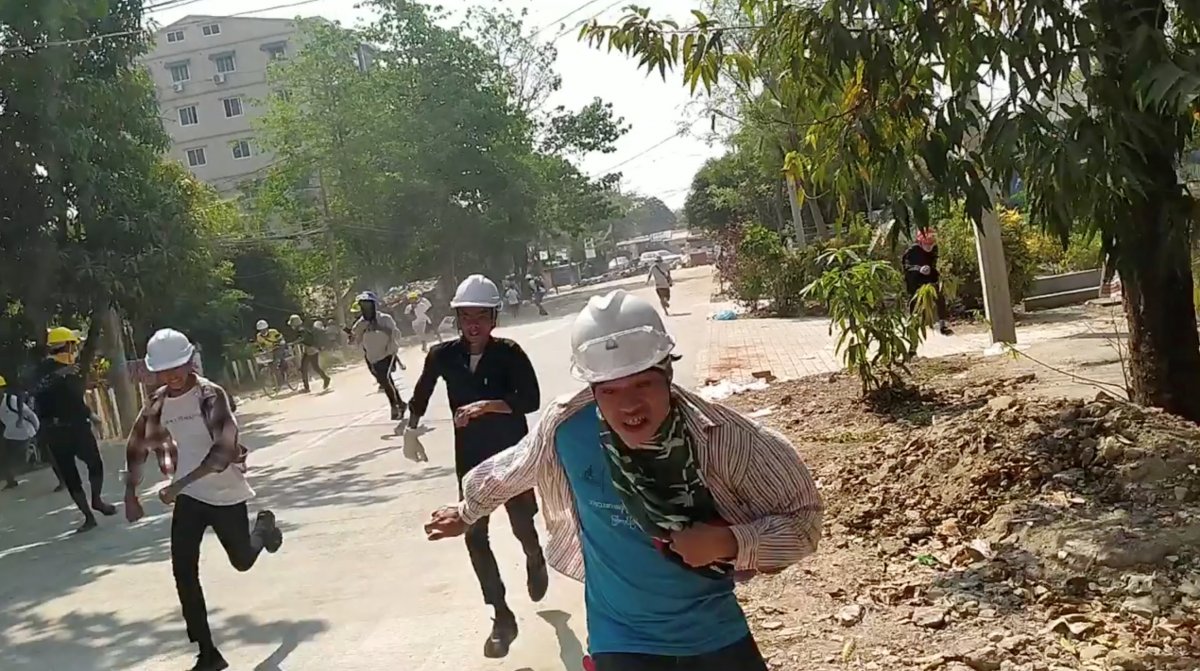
(1164,350)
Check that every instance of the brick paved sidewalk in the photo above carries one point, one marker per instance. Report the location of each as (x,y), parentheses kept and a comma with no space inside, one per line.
(794,348)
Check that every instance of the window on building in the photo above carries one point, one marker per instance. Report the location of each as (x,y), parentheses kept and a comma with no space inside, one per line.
(277,51)
(225,63)
(175,36)
(233,107)
(187,116)
(180,72)
(241,149)
(211,29)
(196,157)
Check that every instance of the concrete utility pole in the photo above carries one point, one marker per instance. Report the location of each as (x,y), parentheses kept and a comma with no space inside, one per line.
(797,212)
(993,273)
(993,268)
(112,345)
(335,274)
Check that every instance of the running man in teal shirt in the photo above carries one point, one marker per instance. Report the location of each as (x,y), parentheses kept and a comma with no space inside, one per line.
(653,497)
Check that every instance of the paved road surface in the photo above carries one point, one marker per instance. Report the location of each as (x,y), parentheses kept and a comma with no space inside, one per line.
(356,585)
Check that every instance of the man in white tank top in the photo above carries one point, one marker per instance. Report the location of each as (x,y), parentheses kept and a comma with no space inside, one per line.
(189,424)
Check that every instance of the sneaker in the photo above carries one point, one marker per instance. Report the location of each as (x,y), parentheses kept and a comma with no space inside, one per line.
(504,632)
(326,387)
(210,659)
(537,579)
(266,529)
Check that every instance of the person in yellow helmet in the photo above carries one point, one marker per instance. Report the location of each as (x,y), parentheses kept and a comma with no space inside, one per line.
(66,422)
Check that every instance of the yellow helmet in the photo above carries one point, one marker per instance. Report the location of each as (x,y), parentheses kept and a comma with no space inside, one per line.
(3,382)
(413,295)
(61,335)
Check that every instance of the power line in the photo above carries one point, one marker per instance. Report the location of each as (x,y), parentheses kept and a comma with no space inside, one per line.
(267,9)
(30,48)
(564,17)
(168,4)
(679,133)
(565,31)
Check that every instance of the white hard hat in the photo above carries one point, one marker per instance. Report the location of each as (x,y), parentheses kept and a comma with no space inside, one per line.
(319,325)
(168,349)
(617,335)
(262,325)
(476,291)
(295,319)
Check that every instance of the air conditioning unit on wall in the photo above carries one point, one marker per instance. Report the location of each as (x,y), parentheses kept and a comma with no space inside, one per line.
(219,78)
(178,87)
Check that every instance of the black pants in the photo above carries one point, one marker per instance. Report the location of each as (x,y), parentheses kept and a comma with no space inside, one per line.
(382,370)
(521,511)
(12,453)
(68,443)
(741,656)
(311,361)
(188,524)
(942,311)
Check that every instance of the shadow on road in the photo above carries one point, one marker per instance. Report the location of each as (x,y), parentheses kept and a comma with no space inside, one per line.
(569,647)
(105,641)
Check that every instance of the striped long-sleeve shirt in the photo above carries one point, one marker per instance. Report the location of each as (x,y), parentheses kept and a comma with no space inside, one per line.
(760,485)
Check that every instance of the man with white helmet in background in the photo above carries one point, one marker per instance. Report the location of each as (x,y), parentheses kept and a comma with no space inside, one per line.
(310,354)
(659,494)
(189,425)
(376,331)
(491,386)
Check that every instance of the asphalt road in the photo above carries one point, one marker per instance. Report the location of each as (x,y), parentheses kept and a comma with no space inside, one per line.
(355,586)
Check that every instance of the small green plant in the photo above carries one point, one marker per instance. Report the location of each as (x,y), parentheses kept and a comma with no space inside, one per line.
(877,334)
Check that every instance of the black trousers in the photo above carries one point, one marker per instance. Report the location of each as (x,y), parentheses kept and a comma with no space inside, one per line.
(382,370)
(188,524)
(71,442)
(12,453)
(311,361)
(741,656)
(521,511)
(943,312)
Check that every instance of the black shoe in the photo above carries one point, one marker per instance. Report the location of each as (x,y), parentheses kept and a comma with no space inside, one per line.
(88,524)
(12,484)
(265,529)
(59,488)
(326,387)
(106,509)
(504,632)
(306,390)
(946,330)
(538,579)
(210,659)
(397,413)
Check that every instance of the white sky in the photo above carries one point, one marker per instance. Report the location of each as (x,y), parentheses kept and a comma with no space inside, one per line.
(655,109)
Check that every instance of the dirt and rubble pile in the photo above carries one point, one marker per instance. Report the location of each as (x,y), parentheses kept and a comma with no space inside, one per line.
(1008,448)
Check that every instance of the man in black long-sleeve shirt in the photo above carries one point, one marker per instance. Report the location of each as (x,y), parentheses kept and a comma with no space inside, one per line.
(491,385)
(920,263)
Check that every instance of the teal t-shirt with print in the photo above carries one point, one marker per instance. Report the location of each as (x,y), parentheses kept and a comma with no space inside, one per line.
(638,601)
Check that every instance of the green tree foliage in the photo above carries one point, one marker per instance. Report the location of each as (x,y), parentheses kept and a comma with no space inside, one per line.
(1091,104)
(876,336)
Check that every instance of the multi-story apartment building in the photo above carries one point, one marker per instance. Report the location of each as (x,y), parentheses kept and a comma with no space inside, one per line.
(210,73)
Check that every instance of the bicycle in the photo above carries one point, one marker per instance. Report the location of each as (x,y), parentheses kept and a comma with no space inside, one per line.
(277,375)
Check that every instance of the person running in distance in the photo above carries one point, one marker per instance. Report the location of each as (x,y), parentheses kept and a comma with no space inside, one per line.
(920,263)
(419,307)
(67,423)
(20,426)
(537,289)
(310,355)
(189,425)
(654,498)
(491,386)
(376,331)
(512,297)
(660,277)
